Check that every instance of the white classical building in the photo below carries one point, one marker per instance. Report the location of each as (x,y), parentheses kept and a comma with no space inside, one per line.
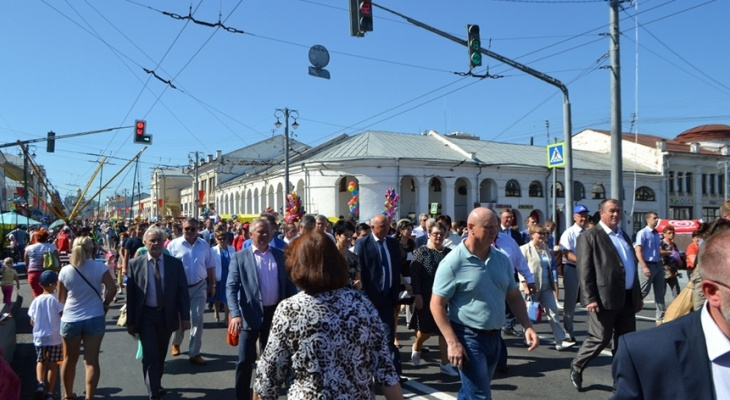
(693,167)
(433,172)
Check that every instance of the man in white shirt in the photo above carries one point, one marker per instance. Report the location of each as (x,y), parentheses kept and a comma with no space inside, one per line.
(194,252)
(688,358)
(421,229)
(570,277)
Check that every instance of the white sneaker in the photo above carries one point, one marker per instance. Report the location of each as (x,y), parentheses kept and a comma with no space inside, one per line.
(416,357)
(447,369)
(564,345)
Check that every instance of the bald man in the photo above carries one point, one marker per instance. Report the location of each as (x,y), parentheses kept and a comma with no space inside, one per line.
(379,257)
(474,280)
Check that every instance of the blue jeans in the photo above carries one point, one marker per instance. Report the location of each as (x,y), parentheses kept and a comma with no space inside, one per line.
(483,352)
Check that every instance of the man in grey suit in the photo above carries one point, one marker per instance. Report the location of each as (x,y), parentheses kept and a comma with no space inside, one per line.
(157,305)
(258,274)
(379,258)
(609,286)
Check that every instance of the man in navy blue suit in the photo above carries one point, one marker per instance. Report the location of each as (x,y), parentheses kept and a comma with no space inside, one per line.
(673,361)
(258,273)
(379,258)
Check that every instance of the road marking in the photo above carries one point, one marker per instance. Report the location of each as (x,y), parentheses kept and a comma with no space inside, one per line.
(427,390)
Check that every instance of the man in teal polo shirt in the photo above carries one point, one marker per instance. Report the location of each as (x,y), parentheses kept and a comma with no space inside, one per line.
(474,281)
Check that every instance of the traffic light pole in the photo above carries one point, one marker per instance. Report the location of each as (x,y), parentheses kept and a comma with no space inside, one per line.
(53,137)
(543,77)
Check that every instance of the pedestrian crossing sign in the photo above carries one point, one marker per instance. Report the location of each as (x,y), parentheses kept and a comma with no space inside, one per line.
(555,155)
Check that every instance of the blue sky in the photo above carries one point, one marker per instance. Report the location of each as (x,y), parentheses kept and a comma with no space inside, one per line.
(75,66)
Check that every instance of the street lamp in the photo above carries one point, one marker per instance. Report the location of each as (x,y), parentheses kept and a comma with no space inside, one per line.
(194,157)
(286,113)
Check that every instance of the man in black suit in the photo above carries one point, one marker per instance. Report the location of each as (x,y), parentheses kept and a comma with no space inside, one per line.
(379,258)
(672,361)
(157,305)
(506,218)
(609,286)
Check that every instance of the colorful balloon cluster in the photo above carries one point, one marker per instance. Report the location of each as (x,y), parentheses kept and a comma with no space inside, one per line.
(294,211)
(354,202)
(391,203)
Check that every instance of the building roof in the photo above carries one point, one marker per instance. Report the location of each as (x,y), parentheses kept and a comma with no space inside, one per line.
(707,132)
(672,145)
(438,148)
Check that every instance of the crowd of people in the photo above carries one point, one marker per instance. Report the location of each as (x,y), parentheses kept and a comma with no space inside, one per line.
(323,301)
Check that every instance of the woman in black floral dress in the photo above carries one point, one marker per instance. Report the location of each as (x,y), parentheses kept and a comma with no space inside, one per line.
(423,270)
(328,339)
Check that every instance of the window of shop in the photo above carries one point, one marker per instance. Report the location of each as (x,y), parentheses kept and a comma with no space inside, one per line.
(558,190)
(712,183)
(512,188)
(579,191)
(535,189)
(688,182)
(710,214)
(644,194)
(598,192)
(680,212)
(680,181)
(671,181)
(704,183)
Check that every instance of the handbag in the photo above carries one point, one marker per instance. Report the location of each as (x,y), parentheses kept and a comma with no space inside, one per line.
(50,262)
(534,311)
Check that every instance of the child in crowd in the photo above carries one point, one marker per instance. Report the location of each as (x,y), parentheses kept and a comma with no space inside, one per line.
(9,275)
(45,317)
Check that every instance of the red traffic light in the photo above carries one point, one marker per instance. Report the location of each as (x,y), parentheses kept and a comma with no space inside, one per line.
(140,127)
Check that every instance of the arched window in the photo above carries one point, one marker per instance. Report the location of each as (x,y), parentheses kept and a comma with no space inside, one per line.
(579,191)
(512,188)
(435,185)
(535,189)
(598,192)
(559,192)
(644,194)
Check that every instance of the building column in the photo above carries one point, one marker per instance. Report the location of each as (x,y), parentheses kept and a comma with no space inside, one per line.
(697,193)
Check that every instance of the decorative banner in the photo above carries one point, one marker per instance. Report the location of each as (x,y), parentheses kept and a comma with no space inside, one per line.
(201,196)
(35,201)
(20,191)
(294,210)
(159,203)
(126,210)
(391,203)
(354,203)
(119,211)
(141,206)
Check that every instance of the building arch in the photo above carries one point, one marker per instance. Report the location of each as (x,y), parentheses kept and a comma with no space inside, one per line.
(535,189)
(644,193)
(512,189)
(462,188)
(488,191)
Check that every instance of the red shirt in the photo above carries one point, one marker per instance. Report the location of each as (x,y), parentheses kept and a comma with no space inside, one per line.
(62,242)
(693,248)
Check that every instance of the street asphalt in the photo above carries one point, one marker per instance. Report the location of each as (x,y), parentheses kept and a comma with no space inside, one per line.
(542,373)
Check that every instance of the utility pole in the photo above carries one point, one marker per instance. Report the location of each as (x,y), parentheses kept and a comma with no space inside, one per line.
(617,185)
(195,157)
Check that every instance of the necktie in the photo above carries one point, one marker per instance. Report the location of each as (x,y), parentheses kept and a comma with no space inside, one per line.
(158,286)
(386,267)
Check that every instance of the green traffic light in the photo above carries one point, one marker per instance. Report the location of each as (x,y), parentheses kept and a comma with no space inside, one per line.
(476,59)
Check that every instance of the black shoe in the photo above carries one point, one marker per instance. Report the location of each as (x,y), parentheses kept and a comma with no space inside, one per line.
(576,378)
(402,379)
(425,349)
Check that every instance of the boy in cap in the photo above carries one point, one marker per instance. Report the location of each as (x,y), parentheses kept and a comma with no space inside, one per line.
(45,317)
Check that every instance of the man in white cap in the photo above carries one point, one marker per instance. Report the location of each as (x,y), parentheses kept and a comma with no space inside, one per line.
(570,277)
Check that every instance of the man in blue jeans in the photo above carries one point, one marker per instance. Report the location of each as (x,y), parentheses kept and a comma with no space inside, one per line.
(474,281)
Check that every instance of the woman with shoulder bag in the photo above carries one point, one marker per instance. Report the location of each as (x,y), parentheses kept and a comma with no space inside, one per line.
(79,289)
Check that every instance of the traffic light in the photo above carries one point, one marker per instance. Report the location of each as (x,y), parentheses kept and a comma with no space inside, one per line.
(140,132)
(51,142)
(475,46)
(361,17)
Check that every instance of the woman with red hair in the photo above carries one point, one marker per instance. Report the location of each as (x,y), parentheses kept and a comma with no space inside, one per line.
(34,259)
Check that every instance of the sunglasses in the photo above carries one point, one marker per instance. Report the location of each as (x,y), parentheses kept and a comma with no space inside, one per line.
(190,228)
